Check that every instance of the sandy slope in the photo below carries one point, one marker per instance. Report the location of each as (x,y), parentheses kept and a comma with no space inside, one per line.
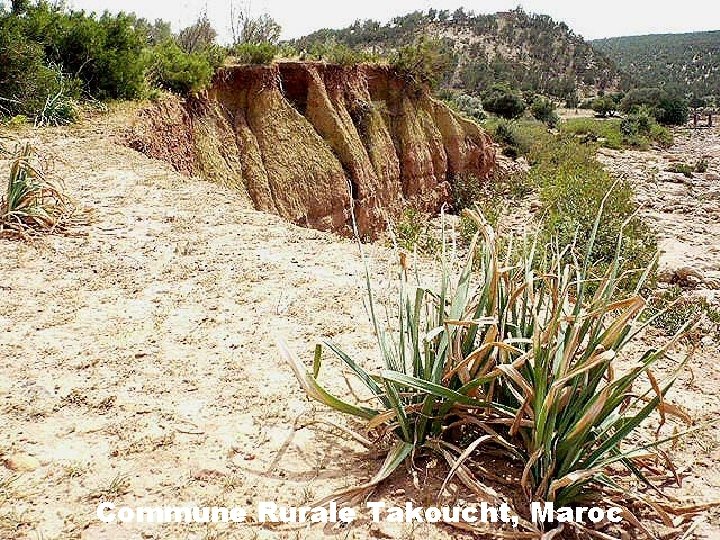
(139,362)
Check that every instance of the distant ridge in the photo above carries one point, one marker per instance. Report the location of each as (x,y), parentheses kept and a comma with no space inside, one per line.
(690,61)
(530,52)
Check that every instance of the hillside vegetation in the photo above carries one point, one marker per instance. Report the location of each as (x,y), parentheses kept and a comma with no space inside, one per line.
(526,51)
(691,61)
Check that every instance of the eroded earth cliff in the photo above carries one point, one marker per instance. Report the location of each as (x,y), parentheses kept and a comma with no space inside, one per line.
(313,141)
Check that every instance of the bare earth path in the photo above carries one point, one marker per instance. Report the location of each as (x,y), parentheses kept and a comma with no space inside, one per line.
(139,362)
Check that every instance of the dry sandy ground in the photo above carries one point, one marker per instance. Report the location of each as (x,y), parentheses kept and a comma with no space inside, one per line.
(139,362)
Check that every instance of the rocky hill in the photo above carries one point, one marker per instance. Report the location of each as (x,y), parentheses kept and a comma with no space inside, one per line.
(528,51)
(298,138)
(691,61)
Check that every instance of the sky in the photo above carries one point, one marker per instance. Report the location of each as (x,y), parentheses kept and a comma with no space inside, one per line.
(606,18)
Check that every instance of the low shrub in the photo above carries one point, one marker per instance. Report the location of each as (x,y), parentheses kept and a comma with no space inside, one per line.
(682,168)
(413,233)
(638,130)
(491,196)
(31,203)
(573,188)
(466,104)
(336,52)
(607,129)
(670,310)
(604,106)
(518,137)
(701,166)
(254,53)
(59,110)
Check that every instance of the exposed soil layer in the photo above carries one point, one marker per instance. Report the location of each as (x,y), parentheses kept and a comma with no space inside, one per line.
(311,141)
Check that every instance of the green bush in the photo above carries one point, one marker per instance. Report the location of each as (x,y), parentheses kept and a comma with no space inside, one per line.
(336,52)
(637,131)
(50,56)
(413,233)
(504,102)
(573,185)
(543,109)
(667,106)
(672,111)
(26,80)
(252,53)
(682,168)
(466,104)
(428,60)
(105,53)
(518,137)
(635,124)
(604,105)
(175,70)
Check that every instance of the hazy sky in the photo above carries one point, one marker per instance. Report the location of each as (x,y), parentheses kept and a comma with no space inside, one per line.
(604,18)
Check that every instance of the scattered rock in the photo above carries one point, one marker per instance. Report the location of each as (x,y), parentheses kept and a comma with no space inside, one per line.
(206,475)
(21,463)
(713,177)
(687,278)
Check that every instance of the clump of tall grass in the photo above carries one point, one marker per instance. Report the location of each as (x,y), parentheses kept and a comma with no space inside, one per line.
(517,354)
(31,202)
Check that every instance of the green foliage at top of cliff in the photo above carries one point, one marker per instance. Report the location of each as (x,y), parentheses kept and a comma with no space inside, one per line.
(690,61)
(525,51)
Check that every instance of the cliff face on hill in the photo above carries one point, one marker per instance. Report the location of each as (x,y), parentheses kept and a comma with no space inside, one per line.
(313,141)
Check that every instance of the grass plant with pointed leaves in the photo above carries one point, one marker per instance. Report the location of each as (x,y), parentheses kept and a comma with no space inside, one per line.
(524,357)
(31,203)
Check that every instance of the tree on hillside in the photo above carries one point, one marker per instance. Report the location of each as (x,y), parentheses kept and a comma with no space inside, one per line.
(198,36)
(429,60)
(252,30)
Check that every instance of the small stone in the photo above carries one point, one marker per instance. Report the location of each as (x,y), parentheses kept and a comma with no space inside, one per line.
(712,176)
(22,463)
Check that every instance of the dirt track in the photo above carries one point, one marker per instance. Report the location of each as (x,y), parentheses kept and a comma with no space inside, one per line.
(140,362)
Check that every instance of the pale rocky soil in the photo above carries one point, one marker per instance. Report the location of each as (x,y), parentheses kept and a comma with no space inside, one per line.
(140,363)
(685,212)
